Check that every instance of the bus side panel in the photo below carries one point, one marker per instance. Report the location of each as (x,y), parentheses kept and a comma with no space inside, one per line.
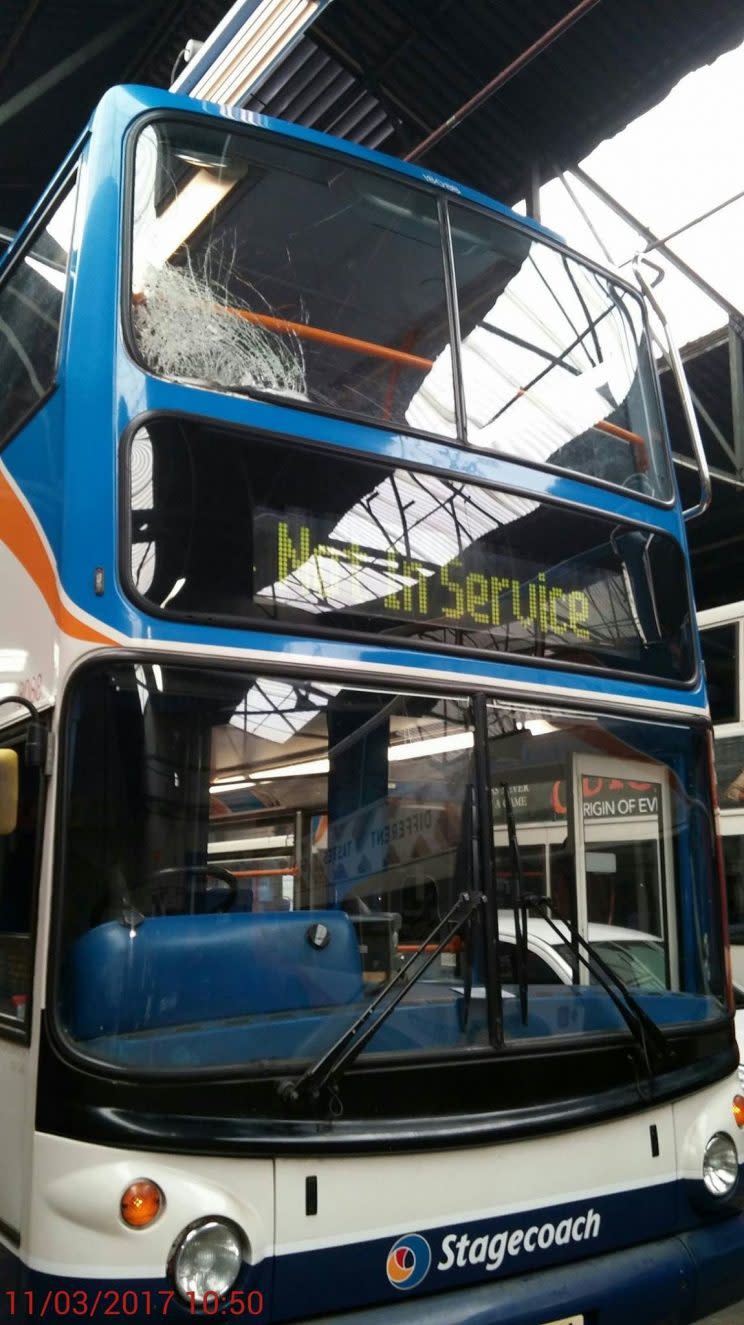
(14,1086)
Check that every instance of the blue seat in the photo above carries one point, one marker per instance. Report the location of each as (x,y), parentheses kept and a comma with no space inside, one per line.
(181,970)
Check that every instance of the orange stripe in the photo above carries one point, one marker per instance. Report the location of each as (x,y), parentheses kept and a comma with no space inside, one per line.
(20,535)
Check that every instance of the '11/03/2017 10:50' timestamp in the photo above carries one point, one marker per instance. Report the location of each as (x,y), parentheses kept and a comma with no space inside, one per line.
(123,1303)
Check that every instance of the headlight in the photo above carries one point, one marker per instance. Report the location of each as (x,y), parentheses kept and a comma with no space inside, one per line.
(206,1258)
(720,1165)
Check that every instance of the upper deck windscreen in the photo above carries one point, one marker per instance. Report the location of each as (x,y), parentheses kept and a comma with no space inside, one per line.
(264,268)
(259,267)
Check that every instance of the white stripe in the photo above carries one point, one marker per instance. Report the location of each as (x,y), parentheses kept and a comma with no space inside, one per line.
(292,661)
(493,1214)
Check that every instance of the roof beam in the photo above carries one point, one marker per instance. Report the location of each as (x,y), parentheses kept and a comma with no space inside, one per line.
(731,310)
(31,93)
(17,33)
(736,366)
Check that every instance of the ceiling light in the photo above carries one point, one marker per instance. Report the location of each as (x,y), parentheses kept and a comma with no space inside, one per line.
(251,52)
(433,745)
(539,726)
(291,770)
(161,236)
(228,784)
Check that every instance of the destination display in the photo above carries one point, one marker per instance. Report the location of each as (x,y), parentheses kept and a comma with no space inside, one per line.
(270,532)
(462,592)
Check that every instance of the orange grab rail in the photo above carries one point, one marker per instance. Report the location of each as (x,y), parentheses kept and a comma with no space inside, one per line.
(454,945)
(261,874)
(305,332)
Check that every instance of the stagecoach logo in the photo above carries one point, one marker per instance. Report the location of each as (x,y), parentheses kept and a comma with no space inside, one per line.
(408,1261)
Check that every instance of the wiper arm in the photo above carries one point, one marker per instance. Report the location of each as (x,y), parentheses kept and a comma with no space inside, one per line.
(643,1028)
(350,1043)
(518,907)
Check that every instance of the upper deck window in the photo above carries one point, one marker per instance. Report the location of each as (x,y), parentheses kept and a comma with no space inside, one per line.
(263,268)
(31,300)
(554,359)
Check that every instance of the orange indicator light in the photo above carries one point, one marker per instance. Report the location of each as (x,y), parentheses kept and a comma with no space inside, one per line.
(738,1109)
(143,1201)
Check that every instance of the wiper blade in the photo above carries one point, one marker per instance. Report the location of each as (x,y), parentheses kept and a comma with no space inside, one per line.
(643,1028)
(350,1043)
(520,914)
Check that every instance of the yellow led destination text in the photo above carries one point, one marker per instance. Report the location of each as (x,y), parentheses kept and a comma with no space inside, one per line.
(448,594)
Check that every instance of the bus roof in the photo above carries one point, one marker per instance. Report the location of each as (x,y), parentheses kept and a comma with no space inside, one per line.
(153,99)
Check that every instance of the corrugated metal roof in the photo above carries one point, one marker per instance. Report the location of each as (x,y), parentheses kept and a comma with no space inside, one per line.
(419,60)
(383,74)
(136,41)
(707,370)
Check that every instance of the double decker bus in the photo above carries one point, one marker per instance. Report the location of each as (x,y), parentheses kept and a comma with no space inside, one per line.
(347,649)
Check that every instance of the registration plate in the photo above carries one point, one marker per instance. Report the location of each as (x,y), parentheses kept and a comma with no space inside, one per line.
(566,1320)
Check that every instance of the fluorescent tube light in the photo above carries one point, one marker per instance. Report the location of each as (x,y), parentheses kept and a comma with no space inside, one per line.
(258,44)
(396,753)
(158,240)
(228,784)
(291,770)
(435,745)
(237,845)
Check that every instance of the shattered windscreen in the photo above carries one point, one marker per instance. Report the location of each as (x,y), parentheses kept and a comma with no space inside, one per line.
(261,268)
(285,272)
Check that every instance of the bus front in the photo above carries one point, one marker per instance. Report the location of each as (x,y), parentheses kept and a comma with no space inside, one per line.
(387,950)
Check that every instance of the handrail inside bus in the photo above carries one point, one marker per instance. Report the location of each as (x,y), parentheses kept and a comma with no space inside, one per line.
(305,332)
(454,945)
(262,874)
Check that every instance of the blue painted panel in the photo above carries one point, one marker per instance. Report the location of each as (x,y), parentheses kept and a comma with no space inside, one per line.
(132,100)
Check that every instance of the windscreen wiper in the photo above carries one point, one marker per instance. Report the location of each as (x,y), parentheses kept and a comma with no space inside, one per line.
(644,1029)
(518,907)
(350,1043)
